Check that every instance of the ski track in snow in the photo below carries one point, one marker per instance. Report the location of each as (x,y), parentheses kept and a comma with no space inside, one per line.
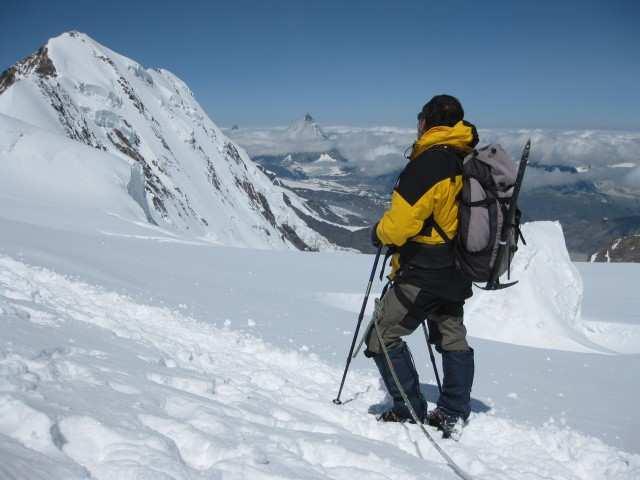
(94,385)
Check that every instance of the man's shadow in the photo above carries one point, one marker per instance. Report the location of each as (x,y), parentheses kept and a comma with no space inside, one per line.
(431,394)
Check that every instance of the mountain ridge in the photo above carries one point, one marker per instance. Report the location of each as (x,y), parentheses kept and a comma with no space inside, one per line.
(196,181)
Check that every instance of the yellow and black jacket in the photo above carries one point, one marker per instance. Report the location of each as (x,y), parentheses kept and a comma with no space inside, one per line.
(427,191)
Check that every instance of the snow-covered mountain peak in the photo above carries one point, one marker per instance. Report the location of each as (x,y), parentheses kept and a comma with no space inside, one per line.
(190,177)
(306,129)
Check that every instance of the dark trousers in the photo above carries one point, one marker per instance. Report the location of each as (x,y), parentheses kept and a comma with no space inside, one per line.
(400,311)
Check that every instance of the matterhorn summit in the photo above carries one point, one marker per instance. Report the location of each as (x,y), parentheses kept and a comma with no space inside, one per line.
(84,129)
(306,129)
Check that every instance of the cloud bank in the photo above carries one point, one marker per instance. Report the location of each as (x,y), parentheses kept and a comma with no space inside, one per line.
(600,155)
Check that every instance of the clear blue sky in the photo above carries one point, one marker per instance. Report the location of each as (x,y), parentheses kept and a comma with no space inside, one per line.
(549,64)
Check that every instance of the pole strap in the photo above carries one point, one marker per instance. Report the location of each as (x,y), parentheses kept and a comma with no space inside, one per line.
(390,251)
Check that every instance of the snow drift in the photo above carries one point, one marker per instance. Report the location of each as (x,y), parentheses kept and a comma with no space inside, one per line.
(543,308)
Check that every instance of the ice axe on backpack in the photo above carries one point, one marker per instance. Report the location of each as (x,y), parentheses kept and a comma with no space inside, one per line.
(510,227)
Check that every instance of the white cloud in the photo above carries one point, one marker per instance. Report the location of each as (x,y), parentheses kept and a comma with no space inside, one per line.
(379,150)
(593,148)
(374,151)
(632,178)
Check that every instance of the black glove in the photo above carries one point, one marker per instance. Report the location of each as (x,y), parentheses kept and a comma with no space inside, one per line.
(375,241)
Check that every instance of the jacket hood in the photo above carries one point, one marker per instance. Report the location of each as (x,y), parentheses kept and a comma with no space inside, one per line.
(463,136)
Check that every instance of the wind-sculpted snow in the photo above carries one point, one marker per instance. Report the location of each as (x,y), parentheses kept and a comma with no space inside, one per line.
(543,309)
(195,180)
(96,385)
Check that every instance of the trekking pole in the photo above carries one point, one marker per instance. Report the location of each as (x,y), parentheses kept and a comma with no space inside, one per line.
(433,358)
(337,400)
(368,329)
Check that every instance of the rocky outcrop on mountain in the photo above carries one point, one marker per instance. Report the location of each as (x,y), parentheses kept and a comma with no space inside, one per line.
(625,249)
(38,63)
(190,177)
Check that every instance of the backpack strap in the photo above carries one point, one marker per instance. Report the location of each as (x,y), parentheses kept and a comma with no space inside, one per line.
(442,233)
(430,223)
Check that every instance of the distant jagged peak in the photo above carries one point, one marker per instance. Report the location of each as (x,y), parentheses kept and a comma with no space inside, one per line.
(306,129)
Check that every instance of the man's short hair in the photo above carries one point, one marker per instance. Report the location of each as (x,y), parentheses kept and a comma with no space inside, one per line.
(442,110)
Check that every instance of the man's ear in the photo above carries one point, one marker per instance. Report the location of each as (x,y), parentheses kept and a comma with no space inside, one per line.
(422,123)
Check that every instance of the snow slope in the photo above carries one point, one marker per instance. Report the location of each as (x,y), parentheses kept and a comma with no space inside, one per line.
(186,175)
(66,184)
(221,363)
(96,385)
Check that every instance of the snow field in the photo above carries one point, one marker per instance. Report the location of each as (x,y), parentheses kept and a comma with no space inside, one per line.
(93,384)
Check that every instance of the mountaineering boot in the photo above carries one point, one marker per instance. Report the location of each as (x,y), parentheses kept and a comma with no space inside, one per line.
(449,425)
(455,399)
(405,370)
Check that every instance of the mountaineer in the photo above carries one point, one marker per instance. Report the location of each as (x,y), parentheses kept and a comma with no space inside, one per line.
(425,283)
